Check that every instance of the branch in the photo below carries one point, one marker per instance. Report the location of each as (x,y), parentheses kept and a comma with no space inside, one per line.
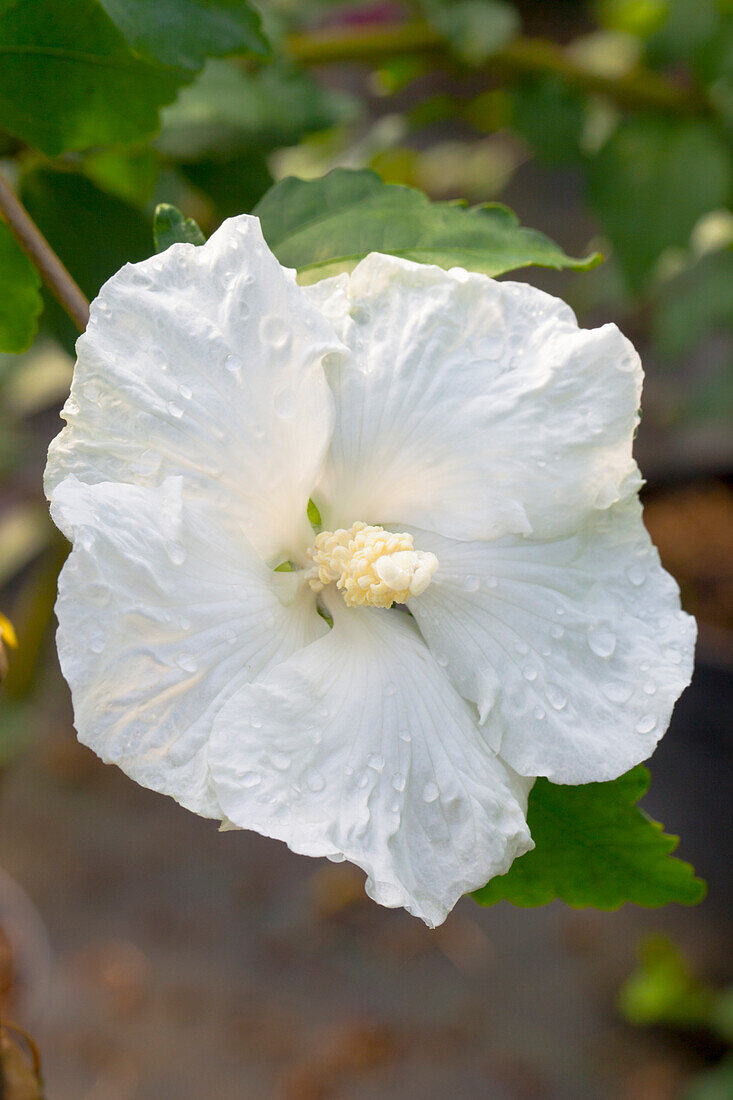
(639,89)
(42,256)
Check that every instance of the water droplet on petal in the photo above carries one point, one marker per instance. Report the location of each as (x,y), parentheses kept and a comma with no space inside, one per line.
(250,779)
(602,642)
(281,761)
(186,392)
(636,574)
(404,735)
(233,363)
(539,713)
(594,420)
(97,642)
(491,582)
(398,781)
(557,631)
(175,410)
(556,697)
(186,662)
(521,648)
(650,688)
(646,723)
(529,673)
(617,691)
(363,782)
(430,792)
(175,552)
(284,403)
(316,782)
(471,584)
(274,331)
(375,760)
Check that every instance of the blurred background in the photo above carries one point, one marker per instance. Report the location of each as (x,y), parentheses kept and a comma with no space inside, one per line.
(152,958)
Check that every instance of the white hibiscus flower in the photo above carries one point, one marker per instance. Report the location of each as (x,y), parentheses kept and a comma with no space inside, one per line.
(469,450)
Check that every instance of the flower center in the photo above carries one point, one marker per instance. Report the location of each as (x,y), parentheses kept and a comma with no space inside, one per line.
(372,567)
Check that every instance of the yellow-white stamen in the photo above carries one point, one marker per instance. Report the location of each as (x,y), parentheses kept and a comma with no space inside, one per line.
(371,567)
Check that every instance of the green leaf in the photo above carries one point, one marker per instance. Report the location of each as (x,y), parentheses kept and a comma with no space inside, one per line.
(68,79)
(228,112)
(182,33)
(327,225)
(172,227)
(20,299)
(476,29)
(651,182)
(594,847)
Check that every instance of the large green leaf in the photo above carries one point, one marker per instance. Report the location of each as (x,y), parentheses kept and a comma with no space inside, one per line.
(327,225)
(229,112)
(652,181)
(68,79)
(20,299)
(595,847)
(183,33)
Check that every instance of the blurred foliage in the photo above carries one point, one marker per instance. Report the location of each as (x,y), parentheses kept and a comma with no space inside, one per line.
(665,991)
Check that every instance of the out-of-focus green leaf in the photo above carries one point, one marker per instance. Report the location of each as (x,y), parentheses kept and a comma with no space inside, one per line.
(170,226)
(93,233)
(183,33)
(476,29)
(42,379)
(638,17)
(549,116)
(129,174)
(594,847)
(688,25)
(327,225)
(651,182)
(664,989)
(68,79)
(233,186)
(697,301)
(713,1084)
(227,112)
(20,298)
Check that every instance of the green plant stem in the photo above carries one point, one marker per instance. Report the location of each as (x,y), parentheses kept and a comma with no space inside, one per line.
(639,89)
(42,256)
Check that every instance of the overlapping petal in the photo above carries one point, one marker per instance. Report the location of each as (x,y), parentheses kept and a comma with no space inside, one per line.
(206,363)
(358,747)
(574,649)
(164,611)
(472,407)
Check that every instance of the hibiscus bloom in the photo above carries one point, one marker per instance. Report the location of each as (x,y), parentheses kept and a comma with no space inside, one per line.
(481,606)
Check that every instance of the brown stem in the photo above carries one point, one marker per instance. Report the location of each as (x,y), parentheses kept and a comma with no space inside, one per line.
(42,256)
(640,89)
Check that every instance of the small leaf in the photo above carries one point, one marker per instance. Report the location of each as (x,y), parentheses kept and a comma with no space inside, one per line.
(314,516)
(173,227)
(182,33)
(327,225)
(595,847)
(20,298)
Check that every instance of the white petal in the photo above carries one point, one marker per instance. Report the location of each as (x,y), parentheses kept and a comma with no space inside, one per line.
(359,748)
(205,362)
(575,650)
(164,610)
(472,407)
